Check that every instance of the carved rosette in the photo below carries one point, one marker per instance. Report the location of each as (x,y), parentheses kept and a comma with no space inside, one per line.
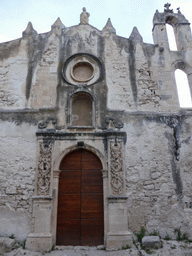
(44,169)
(116,168)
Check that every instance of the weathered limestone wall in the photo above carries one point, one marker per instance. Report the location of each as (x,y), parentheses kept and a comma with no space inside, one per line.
(158,173)
(135,86)
(13,71)
(120,96)
(42,90)
(17,176)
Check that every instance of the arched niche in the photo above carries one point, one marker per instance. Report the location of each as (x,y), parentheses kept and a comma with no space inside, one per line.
(81,110)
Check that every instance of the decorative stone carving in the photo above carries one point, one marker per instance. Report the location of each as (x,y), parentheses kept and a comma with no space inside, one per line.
(112,123)
(51,122)
(82,68)
(84,17)
(116,168)
(44,168)
(166,10)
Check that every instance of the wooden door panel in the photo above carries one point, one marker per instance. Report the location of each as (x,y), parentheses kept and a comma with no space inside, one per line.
(69,232)
(70,182)
(72,161)
(69,206)
(90,161)
(91,206)
(92,232)
(92,181)
(80,200)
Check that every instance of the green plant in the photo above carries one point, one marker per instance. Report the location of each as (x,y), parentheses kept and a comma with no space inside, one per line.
(173,247)
(148,251)
(179,234)
(52,248)
(135,244)
(126,247)
(23,245)
(102,248)
(141,234)
(167,237)
(12,236)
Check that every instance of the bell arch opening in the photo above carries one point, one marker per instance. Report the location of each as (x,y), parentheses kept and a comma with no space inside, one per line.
(183,89)
(171,37)
(80,217)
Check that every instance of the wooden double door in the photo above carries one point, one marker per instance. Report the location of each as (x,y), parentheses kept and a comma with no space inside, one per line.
(80,200)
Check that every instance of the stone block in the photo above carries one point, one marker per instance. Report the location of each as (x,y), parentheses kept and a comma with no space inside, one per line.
(6,244)
(39,242)
(117,241)
(151,242)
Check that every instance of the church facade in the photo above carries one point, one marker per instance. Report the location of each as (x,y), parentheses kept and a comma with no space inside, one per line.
(94,144)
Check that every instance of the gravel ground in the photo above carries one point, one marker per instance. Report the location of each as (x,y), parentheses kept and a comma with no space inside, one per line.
(169,248)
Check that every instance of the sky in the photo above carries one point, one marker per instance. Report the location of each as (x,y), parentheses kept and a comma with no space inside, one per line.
(124,14)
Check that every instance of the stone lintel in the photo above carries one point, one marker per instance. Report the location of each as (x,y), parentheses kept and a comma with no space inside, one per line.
(58,135)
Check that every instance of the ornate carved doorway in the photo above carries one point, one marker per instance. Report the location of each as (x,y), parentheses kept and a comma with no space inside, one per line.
(80,200)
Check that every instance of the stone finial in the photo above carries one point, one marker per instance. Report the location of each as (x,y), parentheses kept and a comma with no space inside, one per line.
(166,10)
(84,17)
(57,27)
(178,10)
(29,31)
(135,35)
(109,27)
(58,23)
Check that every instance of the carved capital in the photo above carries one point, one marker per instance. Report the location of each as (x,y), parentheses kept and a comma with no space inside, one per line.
(113,123)
(56,174)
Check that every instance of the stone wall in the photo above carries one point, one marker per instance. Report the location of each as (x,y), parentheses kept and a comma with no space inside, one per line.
(134,87)
(17,172)
(157,174)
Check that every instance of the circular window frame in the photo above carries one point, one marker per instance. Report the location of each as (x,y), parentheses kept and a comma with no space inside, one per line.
(82,63)
(77,59)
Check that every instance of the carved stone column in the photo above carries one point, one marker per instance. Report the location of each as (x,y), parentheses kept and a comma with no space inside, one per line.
(40,238)
(118,234)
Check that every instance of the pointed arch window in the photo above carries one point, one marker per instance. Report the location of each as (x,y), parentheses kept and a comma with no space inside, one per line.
(183,89)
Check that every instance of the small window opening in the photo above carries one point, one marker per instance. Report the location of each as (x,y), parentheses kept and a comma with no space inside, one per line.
(82,110)
(183,89)
(171,37)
